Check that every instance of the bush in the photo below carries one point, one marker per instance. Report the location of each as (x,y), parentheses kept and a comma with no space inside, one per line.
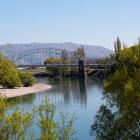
(15,125)
(9,77)
(18,125)
(27,79)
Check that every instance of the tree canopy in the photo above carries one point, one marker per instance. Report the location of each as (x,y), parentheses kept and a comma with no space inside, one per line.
(8,74)
(119,118)
(10,77)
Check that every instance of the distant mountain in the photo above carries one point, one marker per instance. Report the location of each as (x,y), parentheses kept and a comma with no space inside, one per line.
(91,51)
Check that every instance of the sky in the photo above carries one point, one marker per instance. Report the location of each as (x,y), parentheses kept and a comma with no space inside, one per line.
(95,22)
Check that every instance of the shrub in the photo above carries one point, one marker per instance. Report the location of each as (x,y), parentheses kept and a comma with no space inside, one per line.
(15,125)
(9,76)
(27,79)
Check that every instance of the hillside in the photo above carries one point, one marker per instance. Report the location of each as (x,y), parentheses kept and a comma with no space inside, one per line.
(91,51)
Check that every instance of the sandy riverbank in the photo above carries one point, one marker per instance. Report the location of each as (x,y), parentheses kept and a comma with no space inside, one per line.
(9,93)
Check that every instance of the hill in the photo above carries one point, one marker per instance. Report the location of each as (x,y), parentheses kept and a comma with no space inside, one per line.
(91,51)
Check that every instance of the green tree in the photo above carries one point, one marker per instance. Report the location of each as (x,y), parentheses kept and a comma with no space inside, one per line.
(18,124)
(56,71)
(8,74)
(52,130)
(14,126)
(80,53)
(27,79)
(121,112)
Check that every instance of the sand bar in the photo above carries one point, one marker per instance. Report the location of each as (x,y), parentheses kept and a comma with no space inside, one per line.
(9,93)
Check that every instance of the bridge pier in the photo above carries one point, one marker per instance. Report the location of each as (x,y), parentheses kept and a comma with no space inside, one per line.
(81,68)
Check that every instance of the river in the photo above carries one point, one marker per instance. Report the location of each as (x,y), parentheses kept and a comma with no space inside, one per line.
(82,96)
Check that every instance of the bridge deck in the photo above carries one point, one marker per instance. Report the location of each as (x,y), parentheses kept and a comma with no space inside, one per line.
(97,66)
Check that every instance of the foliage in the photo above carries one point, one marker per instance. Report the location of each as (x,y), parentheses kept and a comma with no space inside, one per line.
(120,78)
(14,126)
(122,123)
(52,130)
(107,60)
(9,77)
(80,53)
(117,46)
(120,117)
(49,128)
(55,71)
(56,61)
(18,125)
(103,130)
(128,68)
(65,71)
(27,79)
(66,130)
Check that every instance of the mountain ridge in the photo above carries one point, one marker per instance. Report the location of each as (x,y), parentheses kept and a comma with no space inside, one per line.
(92,51)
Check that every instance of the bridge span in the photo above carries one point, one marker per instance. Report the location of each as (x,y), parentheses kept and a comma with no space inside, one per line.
(81,67)
(35,58)
(95,66)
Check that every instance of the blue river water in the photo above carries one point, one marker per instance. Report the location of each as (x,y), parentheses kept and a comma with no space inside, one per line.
(82,96)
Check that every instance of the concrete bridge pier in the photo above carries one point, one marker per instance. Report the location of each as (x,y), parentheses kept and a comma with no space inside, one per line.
(81,68)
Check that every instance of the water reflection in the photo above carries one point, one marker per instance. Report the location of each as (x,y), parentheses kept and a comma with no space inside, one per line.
(27,99)
(83,96)
(83,91)
(64,91)
(70,90)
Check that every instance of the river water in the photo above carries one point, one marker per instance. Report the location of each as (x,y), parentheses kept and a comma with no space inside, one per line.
(82,96)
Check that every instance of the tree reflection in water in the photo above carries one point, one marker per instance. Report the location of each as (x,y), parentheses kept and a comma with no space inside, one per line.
(26,99)
(119,119)
(64,91)
(70,89)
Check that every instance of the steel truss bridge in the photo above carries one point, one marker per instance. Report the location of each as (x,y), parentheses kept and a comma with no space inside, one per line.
(36,56)
(95,66)
(40,55)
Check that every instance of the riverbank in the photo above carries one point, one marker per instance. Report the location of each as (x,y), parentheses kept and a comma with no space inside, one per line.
(9,93)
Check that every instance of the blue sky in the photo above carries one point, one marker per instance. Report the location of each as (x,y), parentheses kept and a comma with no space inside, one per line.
(96,22)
